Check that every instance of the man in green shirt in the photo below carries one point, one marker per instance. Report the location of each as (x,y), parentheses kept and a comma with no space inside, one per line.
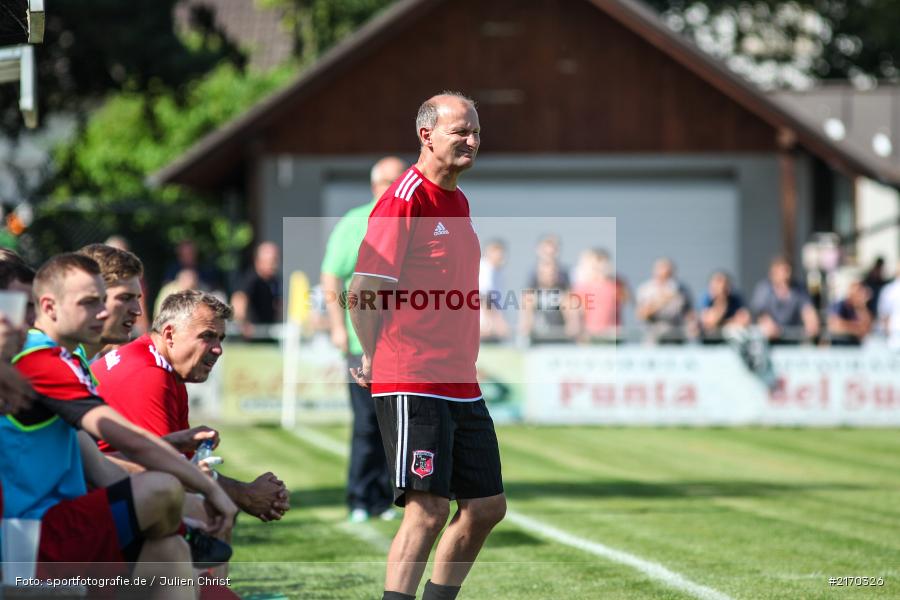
(369,490)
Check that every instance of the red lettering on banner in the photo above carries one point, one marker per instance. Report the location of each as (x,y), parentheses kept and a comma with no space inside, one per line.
(854,394)
(603,394)
(567,389)
(632,394)
(777,395)
(885,397)
(660,393)
(860,394)
(635,393)
(805,395)
(802,395)
(687,395)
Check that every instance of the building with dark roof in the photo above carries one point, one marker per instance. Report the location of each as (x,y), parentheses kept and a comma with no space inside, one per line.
(255,29)
(589,108)
(868,122)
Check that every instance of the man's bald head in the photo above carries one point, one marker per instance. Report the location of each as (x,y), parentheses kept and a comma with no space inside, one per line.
(385,172)
(267,259)
(431,109)
(449,137)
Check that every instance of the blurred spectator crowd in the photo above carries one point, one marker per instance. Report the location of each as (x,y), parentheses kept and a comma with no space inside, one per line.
(587,304)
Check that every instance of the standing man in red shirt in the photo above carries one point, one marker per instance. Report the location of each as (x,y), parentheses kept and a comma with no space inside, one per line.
(414,305)
(121,272)
(369,490)
(145,381)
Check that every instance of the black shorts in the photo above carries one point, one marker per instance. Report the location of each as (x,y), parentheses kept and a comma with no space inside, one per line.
(439,446)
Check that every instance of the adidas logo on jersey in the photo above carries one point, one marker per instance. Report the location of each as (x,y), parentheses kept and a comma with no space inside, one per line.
(441,230)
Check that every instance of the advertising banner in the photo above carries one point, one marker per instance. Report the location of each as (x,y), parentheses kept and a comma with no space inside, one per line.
(605,385)
(711,386)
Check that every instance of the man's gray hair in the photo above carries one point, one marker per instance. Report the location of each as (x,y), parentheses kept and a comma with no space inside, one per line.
(180,306)
(428,112)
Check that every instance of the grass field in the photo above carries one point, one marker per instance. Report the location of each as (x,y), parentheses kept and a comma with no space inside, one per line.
(747,513)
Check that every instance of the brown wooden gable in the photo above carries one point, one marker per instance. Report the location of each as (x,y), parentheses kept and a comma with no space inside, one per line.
(549,76)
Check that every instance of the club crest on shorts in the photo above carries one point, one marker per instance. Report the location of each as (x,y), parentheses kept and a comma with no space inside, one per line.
(423,463)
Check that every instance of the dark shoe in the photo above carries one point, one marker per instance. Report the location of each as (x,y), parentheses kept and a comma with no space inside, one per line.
(206,551)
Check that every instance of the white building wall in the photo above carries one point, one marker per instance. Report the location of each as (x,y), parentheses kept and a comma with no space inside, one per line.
(876,205)
(719,211)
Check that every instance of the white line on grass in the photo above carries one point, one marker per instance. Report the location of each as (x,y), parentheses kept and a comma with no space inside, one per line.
(368,534)
(361,531)
(649,568)
(322,441)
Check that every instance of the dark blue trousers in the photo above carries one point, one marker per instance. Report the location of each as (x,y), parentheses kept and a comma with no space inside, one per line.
(368,481)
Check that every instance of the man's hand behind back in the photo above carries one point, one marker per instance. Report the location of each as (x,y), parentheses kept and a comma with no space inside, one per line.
(363,375)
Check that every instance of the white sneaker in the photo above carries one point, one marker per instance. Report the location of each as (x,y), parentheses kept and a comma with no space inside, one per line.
(358,515)
(388,515)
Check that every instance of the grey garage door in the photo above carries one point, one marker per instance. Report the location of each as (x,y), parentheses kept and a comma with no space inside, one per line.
(692,220)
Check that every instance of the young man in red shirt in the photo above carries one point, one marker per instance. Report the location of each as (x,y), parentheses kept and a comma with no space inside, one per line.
(46,459)
(121,271)
(414,305)
(145,381)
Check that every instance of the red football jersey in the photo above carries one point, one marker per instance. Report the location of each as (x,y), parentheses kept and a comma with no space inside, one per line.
(421,237)
(138,382)
(56,373)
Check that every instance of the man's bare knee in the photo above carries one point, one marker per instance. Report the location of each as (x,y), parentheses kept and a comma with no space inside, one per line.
(159,489)
(430,512)
(158,500)
(495,511)
(484,513)
(167,556)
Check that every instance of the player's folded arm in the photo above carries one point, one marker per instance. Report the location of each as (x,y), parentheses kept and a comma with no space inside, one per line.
(153,453)
(99,471)
(136,443)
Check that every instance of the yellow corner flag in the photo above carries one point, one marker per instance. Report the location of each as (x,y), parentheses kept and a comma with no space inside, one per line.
(298,298)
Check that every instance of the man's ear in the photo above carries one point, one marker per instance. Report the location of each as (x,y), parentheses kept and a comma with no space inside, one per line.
(168,334)
(47,306)
(425,136)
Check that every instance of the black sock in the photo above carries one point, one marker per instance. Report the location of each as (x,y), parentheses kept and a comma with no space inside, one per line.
(396,596)
(434,591)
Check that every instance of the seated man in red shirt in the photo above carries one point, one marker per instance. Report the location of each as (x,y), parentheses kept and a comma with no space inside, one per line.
(121,271)
(46,459)
(145,381)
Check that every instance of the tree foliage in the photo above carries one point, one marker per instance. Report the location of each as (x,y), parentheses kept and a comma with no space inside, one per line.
(792,43)
(127,138)
(93,49)
(157,104)
(319,24)
(146,92)
(103,171)
(96,47)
